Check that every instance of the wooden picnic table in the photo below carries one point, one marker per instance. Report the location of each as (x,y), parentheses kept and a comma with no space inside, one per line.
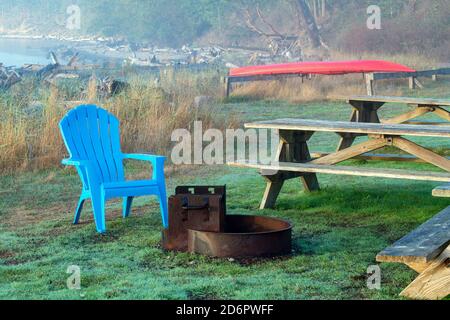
(294,160)
(365,109)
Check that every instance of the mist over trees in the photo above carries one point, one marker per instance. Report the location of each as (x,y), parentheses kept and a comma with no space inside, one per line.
(163,22)
(417,25)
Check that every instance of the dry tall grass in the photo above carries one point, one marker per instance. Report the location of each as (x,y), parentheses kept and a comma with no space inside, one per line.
(412,60)
(319,88)
(30,137)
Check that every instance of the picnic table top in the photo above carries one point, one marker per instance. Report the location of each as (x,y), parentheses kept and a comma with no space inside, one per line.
(352,127)
(404,100)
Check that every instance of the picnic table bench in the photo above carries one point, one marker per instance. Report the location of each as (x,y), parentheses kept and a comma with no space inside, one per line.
(294,160)
(365,109)
(425,250)
(443,191)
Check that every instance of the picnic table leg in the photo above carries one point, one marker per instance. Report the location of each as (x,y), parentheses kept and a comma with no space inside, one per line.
(293,147)
(310,182)
(362,112)
(227,87)
(272,192)
(348,139)
(369,84)
(300,153)
(366,111)
(274,179)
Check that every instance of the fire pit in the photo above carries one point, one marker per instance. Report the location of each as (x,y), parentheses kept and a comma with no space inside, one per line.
(198,223)
(244,236)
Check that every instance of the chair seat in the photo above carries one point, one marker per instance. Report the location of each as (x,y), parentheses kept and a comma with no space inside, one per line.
(130,184)
(130,188)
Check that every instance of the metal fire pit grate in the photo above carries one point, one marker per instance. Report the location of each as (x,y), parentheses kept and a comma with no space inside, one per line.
(197,208)
(198,223)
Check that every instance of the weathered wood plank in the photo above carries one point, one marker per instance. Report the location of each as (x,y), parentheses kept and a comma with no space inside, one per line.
(348,170)
(352,127)
(417,266)
(369,84)
(348,139)
(351,152)
(422,245)
(443,113)
(240,79)
(418,83)
(273,189)
(403,100)
(228,87)
(402,75)
(417,112)
(426,123)
(412,83)
(442,191)
(378,157)
(422,153)
(434,282)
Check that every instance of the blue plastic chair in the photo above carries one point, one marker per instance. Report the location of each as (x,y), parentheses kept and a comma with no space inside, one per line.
(92,137)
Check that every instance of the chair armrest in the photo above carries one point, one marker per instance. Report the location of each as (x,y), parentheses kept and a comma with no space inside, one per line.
(143,157)
(156,161)
(73,162)
(85,170)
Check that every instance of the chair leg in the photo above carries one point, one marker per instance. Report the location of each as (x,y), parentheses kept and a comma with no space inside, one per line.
(163,205)
(127,201)
(98,205)
(78,210)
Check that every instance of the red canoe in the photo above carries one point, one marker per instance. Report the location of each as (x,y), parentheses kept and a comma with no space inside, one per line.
(323,67)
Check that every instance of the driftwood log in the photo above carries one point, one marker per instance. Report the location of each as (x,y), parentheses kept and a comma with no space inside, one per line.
(110,87)
(8,77)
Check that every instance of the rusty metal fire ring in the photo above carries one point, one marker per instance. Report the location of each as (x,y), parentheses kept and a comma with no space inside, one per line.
(244,236)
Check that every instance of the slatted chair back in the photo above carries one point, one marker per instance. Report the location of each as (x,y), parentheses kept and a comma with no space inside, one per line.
(93,134)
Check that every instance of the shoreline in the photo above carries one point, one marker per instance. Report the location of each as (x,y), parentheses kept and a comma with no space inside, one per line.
(60,38)
(93,49)
(116,51)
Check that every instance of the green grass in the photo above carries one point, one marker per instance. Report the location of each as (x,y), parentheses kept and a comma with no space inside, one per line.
(337,233)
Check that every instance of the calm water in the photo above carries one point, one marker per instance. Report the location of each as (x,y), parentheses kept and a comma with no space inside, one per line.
(15,52)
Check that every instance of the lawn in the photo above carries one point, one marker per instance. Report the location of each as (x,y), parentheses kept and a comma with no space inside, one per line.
(337,231)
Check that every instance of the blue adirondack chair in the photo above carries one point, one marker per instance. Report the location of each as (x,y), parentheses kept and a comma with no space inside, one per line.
(92,137)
